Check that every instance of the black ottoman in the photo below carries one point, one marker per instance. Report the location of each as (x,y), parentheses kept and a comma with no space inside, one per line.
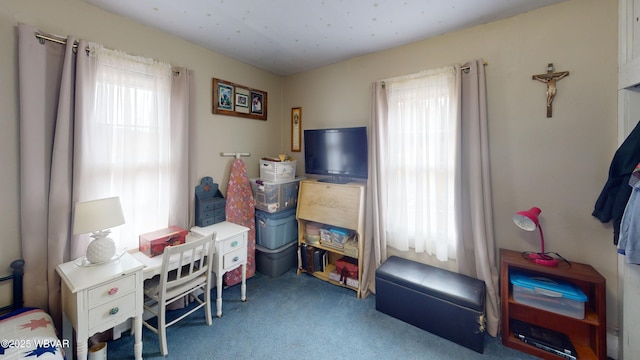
(442,302)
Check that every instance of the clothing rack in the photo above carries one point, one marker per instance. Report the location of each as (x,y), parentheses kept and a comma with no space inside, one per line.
(237,155)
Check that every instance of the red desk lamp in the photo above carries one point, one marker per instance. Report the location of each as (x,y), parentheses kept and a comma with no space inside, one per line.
(528,220)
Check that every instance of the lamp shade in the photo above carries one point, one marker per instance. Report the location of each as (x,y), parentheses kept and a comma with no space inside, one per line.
(97,215)
(527,219)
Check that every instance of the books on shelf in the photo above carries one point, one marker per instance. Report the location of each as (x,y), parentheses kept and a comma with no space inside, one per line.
(313,259)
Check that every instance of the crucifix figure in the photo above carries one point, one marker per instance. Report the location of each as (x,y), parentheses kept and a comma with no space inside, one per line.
(550,79)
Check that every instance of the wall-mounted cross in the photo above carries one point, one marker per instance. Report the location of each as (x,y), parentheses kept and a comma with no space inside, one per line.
(550,79)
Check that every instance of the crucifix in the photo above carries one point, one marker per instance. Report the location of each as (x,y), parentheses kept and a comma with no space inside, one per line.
(550,79)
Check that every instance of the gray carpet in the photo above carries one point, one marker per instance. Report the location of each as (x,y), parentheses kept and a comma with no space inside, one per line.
(300,317)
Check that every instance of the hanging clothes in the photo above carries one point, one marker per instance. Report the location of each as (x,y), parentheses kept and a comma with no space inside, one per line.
(613,199)
(240,210)
(629,242)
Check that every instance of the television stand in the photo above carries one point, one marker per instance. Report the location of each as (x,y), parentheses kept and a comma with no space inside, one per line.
(336,179)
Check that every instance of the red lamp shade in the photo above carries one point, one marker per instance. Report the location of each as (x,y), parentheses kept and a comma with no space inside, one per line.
(528,220)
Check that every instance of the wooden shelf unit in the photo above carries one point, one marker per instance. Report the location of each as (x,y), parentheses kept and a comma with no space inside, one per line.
(588,335)
(340,205)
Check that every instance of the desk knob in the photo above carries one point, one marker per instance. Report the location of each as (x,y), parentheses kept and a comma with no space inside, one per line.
(234,244)
(113,291)
(236,258)
(114,311)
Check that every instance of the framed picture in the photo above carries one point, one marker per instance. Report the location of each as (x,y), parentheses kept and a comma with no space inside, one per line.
(257,103)
(242,100)
(236,100)
(225,96)
(296,128)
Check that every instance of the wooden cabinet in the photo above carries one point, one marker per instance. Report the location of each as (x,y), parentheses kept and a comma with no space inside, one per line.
(340,205)
(588,335)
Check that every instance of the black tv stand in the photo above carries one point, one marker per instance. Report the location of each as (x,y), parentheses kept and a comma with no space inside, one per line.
(336,179)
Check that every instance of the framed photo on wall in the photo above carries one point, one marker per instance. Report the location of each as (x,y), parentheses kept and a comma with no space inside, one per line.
(257,103)
(236,100)
(225,96)
(242,100)
(296,128)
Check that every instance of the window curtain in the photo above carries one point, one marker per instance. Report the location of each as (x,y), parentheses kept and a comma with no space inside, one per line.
(470,208)
(476,244)
(124,142)
(418,153)
(58,84)
(47,74)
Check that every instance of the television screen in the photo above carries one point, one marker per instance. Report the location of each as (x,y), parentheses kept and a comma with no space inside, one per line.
(340,153)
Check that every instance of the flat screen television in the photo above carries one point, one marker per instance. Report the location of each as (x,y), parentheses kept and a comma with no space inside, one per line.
(339,153)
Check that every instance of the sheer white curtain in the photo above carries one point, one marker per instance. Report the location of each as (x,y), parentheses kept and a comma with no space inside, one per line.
(418,152)
(124,141)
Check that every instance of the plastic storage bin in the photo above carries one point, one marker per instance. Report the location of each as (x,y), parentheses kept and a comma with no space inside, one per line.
(273,196)
(278,261)
(277,229)
(548,294)
(277,170)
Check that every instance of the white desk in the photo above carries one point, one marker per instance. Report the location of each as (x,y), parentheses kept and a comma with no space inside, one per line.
(230,252)
(96,298)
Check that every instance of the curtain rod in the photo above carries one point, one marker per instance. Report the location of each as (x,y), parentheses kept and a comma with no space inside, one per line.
(42,39)
(462,68)
(467,67)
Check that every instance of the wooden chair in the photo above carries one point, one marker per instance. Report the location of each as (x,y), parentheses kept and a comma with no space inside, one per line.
(196,258)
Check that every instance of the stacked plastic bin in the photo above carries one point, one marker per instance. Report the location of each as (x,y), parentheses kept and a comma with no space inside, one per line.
(276,197)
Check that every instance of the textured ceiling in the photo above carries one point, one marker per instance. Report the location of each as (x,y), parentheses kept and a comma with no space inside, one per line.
(290,36)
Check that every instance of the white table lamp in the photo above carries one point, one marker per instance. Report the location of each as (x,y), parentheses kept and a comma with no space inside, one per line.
(97,217)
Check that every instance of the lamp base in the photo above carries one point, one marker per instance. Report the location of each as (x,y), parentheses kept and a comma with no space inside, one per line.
(101,250)
(542,259)
(84,262)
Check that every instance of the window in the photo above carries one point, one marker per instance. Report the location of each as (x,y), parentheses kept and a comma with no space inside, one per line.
(126,142)
(418,160)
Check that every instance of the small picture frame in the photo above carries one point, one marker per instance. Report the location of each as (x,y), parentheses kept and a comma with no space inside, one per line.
(296,129)
(242,100)
(225,96)
(257,103)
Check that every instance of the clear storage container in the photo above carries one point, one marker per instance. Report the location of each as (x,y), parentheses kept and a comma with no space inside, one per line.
(548,294)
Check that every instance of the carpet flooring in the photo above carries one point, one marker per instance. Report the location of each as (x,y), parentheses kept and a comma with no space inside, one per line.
(300,317)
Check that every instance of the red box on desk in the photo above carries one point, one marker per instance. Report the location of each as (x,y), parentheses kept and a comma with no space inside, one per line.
(153,243)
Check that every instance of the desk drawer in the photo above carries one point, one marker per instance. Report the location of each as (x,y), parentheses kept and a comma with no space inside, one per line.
(115,311)
(234,258)
(111,290)
(233,243)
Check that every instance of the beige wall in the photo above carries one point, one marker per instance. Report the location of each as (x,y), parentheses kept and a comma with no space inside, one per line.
(215,133)
(558,164)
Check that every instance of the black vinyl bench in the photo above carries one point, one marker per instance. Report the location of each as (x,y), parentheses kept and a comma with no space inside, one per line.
(439,301)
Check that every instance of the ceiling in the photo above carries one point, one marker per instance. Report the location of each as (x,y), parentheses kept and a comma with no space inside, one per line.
(291,36)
